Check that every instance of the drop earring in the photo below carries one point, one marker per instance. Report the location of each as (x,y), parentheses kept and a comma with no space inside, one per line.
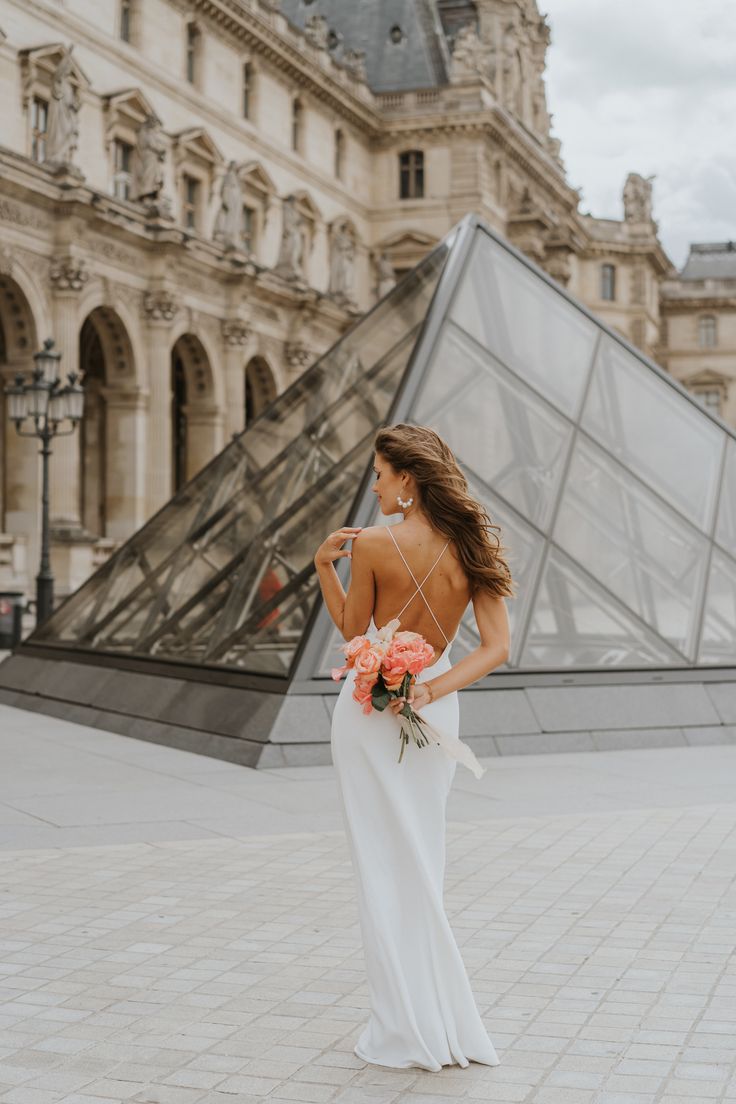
(404,505)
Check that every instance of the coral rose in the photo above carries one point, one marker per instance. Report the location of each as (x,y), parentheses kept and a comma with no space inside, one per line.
(354,647)
(362,690)
(368,661)
(411,655)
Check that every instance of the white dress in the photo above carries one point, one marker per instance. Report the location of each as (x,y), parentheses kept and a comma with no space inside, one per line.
(423,1012)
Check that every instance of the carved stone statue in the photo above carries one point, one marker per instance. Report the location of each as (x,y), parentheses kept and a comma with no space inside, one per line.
(512,74)
(315,31)
(469,55)
(354,62)
(385,275)
(638,198)
(229,220)
(291,251)
(63,127)
(148,175)
(342,262)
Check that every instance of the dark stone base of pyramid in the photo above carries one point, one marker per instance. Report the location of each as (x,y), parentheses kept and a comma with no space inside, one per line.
(258,729)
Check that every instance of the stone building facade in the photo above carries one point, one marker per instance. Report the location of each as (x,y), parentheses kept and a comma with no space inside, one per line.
(198,196)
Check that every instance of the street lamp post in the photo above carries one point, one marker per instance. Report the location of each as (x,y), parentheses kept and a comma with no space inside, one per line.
(48,403)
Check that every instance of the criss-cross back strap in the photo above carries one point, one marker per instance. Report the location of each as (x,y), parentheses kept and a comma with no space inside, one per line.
(418,584)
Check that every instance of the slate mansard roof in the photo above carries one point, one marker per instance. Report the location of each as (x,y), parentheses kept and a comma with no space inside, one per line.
(710,261)
(418,59)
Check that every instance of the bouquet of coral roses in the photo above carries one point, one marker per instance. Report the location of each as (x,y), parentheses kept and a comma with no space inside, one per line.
(386,664)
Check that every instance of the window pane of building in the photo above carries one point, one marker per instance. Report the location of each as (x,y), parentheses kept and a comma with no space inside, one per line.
(247,88)
(39,126)
(191,200)
(123,154)
(125,20)
(707,331)
(608,281)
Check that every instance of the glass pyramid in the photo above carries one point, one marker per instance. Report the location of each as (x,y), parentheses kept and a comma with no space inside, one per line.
(614,489)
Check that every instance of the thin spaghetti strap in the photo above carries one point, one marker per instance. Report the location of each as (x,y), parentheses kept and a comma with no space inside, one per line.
(418,584)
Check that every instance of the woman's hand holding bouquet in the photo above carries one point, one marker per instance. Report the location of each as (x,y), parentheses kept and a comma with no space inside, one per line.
(386,665)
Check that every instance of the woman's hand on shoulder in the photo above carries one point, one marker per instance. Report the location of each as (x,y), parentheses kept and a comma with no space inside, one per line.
(331,548)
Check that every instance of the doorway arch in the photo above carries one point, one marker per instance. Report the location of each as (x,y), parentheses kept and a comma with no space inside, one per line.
(111,429)
(195,418)
(260,387)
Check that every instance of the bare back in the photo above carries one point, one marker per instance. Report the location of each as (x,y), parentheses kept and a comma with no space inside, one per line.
(437,574)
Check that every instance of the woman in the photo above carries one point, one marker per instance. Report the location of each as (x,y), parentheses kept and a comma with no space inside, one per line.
(423,570)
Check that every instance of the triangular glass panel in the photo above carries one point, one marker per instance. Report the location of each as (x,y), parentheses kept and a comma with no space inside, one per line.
(576,623)
(718,640)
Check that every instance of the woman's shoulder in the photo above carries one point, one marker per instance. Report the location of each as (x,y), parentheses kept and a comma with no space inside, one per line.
(372,536)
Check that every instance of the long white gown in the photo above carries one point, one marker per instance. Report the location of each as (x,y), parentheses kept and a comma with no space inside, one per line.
(423,1012)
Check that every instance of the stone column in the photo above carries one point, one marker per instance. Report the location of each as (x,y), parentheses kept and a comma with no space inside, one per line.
(159,309)
(204,435)
(235,333)
(68,276)
(125,461)
(21,464)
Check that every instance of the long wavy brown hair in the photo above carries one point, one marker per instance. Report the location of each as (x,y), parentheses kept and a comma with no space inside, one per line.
(445,500)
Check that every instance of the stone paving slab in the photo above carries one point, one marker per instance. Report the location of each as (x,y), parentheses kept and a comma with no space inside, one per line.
(218,960)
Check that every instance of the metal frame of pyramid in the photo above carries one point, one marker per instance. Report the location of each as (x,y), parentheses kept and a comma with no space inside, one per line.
(547,374)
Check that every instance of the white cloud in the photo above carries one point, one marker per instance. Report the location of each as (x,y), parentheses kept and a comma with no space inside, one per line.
(648,87)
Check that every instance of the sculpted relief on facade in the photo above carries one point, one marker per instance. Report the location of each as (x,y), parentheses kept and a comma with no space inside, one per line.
(62,135)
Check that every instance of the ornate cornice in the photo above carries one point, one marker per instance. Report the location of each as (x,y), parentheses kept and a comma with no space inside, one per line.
(303,68)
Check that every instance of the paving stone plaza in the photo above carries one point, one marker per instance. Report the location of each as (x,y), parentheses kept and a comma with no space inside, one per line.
(180,930)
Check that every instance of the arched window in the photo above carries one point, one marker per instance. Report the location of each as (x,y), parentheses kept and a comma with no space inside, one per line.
(296,125)
(707,331)
(339,153)
(608,282)
(411,174)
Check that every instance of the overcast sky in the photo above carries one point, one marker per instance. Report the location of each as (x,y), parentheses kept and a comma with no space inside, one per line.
(648,86)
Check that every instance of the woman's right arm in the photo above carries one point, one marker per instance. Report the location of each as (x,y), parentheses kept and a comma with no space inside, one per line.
(492,619)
